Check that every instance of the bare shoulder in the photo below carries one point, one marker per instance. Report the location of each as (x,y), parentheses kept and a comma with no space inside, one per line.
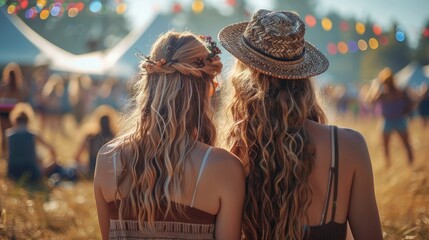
(222,158)
(353,145)
(104,161)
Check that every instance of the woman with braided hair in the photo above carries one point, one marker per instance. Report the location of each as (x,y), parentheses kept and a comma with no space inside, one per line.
(161,178)
(306,179)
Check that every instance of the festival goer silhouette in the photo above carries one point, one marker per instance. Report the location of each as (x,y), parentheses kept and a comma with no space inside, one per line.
(96,137)
(306,179)
(23,162)
(161,178)
(396,105)
(11,92)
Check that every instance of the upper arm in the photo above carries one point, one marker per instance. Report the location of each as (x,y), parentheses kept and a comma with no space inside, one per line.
(232,191)
(102,206)
(363,213)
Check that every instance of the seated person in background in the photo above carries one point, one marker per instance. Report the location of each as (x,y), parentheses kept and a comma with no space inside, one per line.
(97,137)
(23,163)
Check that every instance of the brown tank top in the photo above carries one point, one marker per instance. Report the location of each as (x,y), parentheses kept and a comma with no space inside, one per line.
(190,223)
(331,230)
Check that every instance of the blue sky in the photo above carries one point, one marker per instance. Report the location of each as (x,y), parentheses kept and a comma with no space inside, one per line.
(410,14)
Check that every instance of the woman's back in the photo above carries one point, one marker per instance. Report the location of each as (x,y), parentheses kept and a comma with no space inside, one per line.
(211,174)
(351,184)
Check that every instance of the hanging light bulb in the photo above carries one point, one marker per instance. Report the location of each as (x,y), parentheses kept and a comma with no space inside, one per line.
(198,6)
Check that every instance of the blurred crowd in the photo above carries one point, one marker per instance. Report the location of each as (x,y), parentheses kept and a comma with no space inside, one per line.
(40,96)
(42,99)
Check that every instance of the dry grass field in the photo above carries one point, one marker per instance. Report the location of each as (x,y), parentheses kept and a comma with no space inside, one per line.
(68,211)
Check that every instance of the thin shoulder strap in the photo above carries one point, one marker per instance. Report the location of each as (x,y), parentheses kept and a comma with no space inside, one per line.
(203,163)
(114,165)
(334,203)
(331,175)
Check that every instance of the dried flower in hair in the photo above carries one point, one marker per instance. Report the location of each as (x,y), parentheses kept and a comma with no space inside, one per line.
(211,46)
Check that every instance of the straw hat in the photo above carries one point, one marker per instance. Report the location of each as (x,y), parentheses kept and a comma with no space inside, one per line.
(273,43)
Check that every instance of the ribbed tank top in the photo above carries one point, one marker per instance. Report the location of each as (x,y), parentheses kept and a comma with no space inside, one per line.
(192,223)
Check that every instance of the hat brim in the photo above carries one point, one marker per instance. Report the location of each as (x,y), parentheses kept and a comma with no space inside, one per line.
(312,63)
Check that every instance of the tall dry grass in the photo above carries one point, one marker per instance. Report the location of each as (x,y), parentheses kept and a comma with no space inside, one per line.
(68,212)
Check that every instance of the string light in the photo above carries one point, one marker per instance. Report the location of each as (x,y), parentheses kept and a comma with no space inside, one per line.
(310,20)
(11,9)
(362,45)
(426,32)
(342,47)
(73,12)
(327,24)
(121,8)
(344,26)
(353,47)
(44,14)
(400,36)
(383,40)
(360,28)
(377,29)
(95,6)
(373,43)
(332,48)
(198,6)
(177,8)
(231,3)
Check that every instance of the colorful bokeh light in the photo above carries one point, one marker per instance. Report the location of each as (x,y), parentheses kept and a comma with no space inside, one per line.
(332,48)
(360,28)
(73,12)
(342,47)
(426,32)
(23,4)
(11,9)
(377,29)
(373,43)
(177,8)
(310,20)
(121,8)
(30,13)
(400,36)
(362,45)
(80,6)
(327,24)
(383,40)
(44,14)
(95,6)
(231,3)
(353,47)
(344,26)
(2,2)
(41,4)
(55,10)
(198,6)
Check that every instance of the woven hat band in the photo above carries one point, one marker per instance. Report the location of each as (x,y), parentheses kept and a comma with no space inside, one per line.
(293,59)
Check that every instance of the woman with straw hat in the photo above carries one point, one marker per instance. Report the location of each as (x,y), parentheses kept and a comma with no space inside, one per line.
(306,179)
(160,178)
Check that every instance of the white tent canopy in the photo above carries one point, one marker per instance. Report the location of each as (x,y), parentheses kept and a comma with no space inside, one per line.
(413,75)
(99,62)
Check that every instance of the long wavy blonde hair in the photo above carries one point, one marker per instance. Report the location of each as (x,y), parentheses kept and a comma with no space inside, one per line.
(267,132)
(169,112)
